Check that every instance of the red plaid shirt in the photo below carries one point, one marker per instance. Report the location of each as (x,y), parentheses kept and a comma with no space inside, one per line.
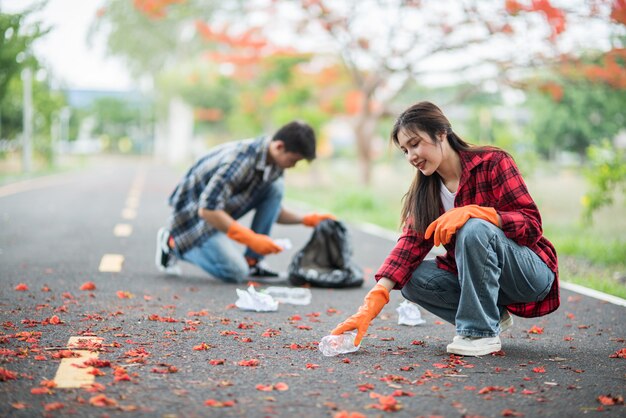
(488,178)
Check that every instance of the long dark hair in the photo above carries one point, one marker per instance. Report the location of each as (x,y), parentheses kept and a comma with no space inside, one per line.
(421,203)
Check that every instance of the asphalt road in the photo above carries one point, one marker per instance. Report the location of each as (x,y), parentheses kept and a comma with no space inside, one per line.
(177,346)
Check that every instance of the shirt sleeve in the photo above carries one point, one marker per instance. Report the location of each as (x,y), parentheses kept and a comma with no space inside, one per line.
(521,220)
(409,251)
(222,184)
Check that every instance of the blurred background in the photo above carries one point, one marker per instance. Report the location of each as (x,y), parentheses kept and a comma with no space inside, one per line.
(164,80)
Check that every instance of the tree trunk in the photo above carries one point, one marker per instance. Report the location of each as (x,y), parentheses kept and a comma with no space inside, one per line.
(364,132)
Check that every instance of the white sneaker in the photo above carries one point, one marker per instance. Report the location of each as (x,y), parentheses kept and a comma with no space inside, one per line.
(164,259)
(506,321)
(474,346)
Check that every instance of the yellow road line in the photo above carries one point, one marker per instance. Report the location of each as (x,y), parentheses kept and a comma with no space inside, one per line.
(32,184)
(71,373)
(111,263)
(129,214)
(122,230)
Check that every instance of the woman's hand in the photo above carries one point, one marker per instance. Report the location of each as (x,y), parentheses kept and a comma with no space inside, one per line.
(373,303)
(444,227)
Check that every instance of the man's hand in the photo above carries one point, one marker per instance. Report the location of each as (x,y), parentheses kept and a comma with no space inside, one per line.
(444,227)
(373,303)
(259,243)
(313,219)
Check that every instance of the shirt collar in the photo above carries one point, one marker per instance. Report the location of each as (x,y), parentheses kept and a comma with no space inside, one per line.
(262,163)
(469,161)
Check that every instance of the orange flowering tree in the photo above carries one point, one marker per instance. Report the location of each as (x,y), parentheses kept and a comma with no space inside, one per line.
(386,48)
(274,84)
(151,35)
(581,107)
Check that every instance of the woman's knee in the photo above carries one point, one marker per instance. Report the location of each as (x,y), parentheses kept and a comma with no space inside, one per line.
(475,230)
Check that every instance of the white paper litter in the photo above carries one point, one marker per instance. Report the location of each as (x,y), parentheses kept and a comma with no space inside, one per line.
(251,300)
(291,295)
(284,243)
(409,314)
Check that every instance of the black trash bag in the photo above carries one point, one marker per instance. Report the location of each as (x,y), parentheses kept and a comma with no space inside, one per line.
(325,261)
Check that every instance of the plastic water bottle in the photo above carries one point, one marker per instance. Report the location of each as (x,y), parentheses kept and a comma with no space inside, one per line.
(291,295)
(332,345)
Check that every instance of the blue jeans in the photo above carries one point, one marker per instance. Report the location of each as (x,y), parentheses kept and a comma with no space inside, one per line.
(220,256)
(493,271)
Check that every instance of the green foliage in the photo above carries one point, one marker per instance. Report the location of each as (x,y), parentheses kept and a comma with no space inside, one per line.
(586,113)
(151,45)
(46,105)
(606,175)
(16,39)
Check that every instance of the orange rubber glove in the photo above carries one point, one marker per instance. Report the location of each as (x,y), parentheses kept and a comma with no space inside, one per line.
(373,303)
(313,219)
(445,226)
(259,243)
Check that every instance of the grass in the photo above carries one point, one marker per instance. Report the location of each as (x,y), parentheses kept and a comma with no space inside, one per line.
(591,255)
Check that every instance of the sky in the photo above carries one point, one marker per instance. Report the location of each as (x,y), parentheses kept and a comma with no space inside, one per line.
(65,50)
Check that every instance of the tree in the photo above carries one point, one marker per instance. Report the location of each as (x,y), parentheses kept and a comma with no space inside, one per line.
(16,39)
(149,35)
(582,108)
(387,45)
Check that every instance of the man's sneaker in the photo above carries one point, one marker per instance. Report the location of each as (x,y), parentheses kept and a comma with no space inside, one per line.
(164,259)
(474,346)
(506,321)
(262,273)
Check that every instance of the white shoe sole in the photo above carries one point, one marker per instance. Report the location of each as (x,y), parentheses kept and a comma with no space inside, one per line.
(468,350)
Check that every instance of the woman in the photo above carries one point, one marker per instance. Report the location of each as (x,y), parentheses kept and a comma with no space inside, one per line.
(474,201)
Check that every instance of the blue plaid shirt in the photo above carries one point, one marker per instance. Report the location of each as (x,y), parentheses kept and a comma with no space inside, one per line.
(228,178)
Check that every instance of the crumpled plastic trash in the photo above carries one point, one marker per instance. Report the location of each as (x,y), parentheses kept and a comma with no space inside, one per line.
(291,295)
(251,300)
(409,314)
(284,243)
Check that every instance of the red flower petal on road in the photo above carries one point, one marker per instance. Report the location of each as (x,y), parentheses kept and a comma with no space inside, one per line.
(202,347)
(88,286)
(348,414)
(312,366)
(6,374)
(53,406)
(281,386)
(122,294)
(40,391)
(22,287)
(249,363)
(264,388)
(216,362)
(540,369)
(102,401)
(511,413)
(535,330)
(365,387)
(94,387)
(65,354)
(48,383)
(217,404)
(611,400)
(621,353)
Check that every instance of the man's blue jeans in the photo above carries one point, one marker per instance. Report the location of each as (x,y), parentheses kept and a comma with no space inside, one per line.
(493,271)
(220,256)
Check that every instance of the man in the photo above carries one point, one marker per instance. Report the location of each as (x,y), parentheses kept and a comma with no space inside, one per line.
(224,185)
